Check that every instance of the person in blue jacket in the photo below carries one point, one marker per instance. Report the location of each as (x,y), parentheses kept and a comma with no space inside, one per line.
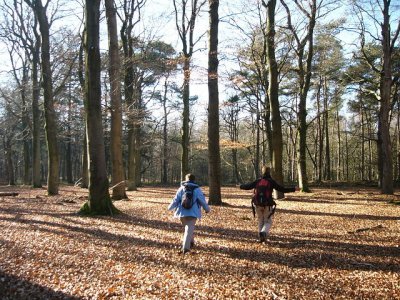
(188,217)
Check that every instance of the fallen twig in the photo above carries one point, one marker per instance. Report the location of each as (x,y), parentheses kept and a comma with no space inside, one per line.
(9,194)
(366,229)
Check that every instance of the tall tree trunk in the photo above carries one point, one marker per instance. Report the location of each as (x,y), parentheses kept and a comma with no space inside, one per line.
(185,20)
(384,141)
(134,155)
(36,178)
(370,149)
(256,126)
(99,201)
(328,175)
(362,140)
(346,143)
(185,118)
(117,174)
(68,155)
(49,111)
(131,180)
(137,130)
(25,123)
(231,119)
(130,9)
(266,135)
(339,146)
(235,130)
(397,177)
(302,144)
(165,157)
(214,159)
(85,164)
(304,59)
(273,89)
(304,83)
(9,160)
(320,133)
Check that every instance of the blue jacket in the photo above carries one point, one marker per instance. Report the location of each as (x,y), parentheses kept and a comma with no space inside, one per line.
(195,211)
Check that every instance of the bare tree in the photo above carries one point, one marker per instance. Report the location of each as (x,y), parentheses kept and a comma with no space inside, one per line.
(8,130)
(230,116)
(388,40)
(130,17)
(304,49)
(185,23)
(47,82)
(21,30)
(16,32)
(118,176)
(273,89)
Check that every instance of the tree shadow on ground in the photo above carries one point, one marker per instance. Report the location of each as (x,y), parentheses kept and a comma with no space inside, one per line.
(310,251)
(332,200)
(339,215)
(13,287)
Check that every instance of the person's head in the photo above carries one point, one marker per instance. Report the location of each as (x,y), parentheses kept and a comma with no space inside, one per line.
(265,171)
(189,177)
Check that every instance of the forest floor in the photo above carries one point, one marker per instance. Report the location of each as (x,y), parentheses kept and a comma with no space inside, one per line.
(328,244)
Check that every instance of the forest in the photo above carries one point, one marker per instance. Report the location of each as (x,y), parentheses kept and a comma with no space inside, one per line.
(143,92)
(106,106)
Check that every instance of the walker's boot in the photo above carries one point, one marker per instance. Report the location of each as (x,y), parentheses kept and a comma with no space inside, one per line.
(262,235)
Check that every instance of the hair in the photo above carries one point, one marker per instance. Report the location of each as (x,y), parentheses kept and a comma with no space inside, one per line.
(265,171)
(190,177)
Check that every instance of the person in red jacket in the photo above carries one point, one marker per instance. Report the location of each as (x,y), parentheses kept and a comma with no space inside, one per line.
(265,208)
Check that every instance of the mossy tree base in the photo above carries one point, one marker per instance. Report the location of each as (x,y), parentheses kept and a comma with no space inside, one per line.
(107,210)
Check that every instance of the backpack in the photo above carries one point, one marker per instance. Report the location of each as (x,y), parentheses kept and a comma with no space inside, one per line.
(263,193)
(263,196)
(187,197)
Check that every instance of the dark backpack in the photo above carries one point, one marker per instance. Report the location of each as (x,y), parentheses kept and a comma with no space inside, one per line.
(263,193)
(263,196)
(187,197)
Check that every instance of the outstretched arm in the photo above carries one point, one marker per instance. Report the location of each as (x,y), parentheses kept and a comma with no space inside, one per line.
(248,186)
(282,189)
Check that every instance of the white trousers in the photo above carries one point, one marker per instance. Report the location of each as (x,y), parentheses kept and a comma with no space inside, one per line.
(264,218)
(188,236)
